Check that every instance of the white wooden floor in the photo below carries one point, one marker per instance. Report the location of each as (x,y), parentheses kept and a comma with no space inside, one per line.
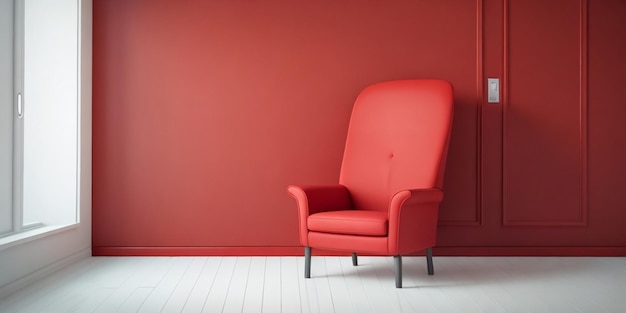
(276,284)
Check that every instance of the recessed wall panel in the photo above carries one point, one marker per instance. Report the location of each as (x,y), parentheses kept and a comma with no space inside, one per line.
(544,114)
(462,204)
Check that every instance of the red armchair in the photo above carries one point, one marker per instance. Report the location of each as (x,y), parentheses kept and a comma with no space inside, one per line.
(387,199)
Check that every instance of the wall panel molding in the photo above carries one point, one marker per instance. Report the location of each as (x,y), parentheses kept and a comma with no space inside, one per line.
(508,218)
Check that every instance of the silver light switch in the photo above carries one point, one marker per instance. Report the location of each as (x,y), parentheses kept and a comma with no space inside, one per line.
(493,90)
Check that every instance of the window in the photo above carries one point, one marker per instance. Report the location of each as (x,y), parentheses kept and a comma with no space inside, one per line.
(39,185)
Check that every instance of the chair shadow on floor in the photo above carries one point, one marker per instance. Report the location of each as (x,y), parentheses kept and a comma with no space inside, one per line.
(462,271)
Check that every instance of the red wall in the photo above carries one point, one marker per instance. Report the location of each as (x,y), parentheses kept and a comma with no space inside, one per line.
(204,111)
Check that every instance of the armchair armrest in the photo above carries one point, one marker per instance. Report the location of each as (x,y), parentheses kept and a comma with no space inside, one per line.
(315,199)
(416,196)
(413,218)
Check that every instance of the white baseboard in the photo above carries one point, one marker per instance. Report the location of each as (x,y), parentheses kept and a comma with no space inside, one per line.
(44,272)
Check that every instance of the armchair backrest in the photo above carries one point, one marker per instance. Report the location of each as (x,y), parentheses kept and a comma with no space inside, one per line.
(397,139)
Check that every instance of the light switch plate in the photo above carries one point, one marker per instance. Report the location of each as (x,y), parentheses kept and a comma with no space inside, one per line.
(493,90)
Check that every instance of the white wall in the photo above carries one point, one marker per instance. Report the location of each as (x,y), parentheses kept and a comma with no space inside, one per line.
(23,263)
(6,114)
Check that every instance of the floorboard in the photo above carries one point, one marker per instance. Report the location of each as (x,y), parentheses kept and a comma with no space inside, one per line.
(277,284)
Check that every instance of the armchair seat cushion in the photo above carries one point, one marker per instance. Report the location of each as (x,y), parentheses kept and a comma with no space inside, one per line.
(350,222)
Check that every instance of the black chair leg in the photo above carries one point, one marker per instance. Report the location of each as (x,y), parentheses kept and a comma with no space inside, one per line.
(397,265)
(307,262)
(355,262)
(429,261)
